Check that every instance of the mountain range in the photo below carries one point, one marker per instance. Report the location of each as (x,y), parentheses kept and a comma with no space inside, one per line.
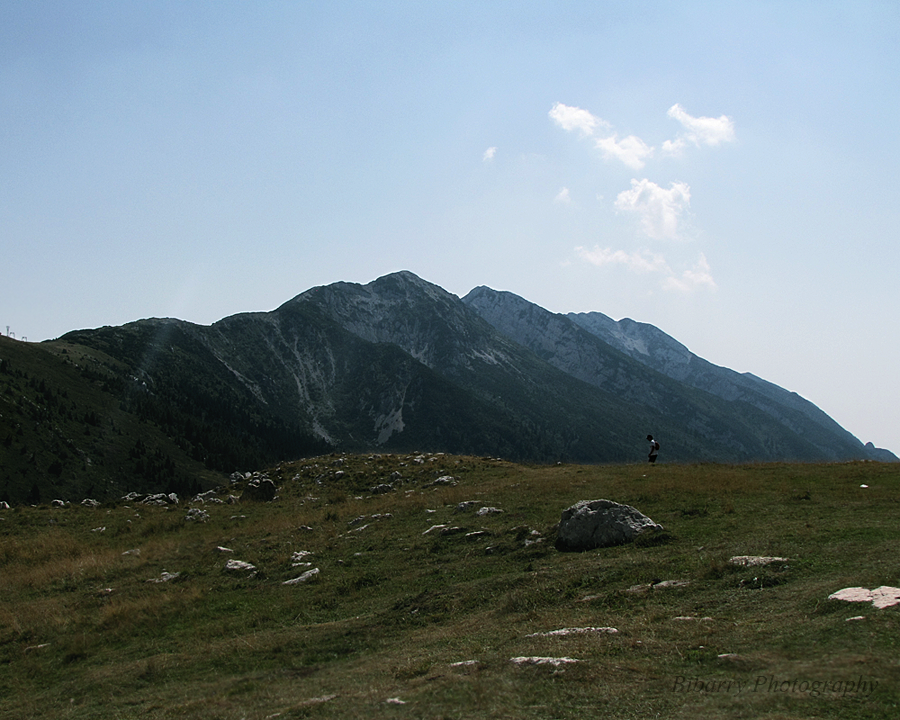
(395,365)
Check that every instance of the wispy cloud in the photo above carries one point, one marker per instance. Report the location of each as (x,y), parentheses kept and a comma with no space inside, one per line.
(645,261)
(630,150)
(489,154)
(701,130)
(699,276)
(639,260)
(574,118)
(658,209)
(562,197)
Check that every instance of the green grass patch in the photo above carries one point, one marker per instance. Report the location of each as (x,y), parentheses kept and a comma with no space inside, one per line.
(420,603)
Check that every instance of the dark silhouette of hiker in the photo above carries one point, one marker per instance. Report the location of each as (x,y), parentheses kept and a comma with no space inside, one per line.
(654,449)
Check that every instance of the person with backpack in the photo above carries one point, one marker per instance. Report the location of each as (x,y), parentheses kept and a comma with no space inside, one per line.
(654,449)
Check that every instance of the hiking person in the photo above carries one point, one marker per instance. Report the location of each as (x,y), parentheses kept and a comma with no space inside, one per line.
(654,449)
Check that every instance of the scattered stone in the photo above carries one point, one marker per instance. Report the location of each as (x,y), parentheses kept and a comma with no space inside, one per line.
(224,549)
(381,489)
(691,618)
(99,529)
(671,584)
(376,516)
(260,489)
(434,527)
(239,566)
(196,515)
(88,502)
(395,701)
(4,505)
(308,575)
(575,631)
(58,503)
(314,701)
(591,524)
(164,577)
(554,661)
(32,648)
(160,500)
(755,560)
(298,557)
(466,505)
(210,496)
(855,617)
(881,597)
(488,511)
(445,480)
(135,552)
(475,534)
(464,663)
(452,530)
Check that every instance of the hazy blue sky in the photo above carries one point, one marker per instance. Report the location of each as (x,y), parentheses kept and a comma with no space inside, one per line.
(725,171)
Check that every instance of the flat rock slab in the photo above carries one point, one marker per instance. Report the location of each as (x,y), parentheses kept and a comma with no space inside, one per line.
(308,575)
(575,631)
(239,566)
(755,560)
(881,597)
(554,661)
(590,524)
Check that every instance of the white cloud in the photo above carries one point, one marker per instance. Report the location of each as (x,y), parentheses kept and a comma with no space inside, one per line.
(489,154)
(562,197)
(630,150)
(574,118)
(703,130)
(645,261)
(698,276)
(639,260)
(660,210)
(673,147)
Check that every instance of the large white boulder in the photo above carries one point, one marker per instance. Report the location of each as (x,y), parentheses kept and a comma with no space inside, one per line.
(590,524)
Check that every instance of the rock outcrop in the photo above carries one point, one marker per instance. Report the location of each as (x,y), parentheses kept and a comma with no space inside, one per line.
(260,489)
(590,524)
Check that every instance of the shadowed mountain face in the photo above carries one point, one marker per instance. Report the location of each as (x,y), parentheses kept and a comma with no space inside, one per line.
(395,365)
(585,344)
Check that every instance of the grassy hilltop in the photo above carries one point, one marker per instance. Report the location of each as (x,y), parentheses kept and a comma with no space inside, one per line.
(128,610)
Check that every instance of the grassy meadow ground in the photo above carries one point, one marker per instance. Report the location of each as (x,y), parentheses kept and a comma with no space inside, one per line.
(128,611)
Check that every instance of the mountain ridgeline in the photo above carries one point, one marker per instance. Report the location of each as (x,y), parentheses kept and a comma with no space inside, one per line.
(393,366)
